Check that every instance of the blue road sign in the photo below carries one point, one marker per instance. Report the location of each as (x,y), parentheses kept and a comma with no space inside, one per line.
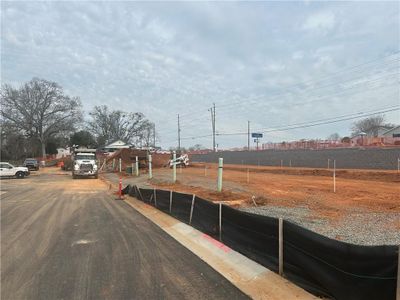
(256,135)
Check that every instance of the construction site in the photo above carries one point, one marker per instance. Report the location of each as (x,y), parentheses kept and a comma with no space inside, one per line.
(358,206)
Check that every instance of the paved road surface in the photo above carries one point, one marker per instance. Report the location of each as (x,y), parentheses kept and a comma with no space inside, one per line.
(69,239)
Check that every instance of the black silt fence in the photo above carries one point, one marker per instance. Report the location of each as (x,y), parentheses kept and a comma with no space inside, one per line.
(126,190)
(181,205)
(254,236)
(322,266)
(206,217)
(162,200)
(345,271)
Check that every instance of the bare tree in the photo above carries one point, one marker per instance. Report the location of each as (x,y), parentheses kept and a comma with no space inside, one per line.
(39,109)
(369,125)
(334,137)
(109,125)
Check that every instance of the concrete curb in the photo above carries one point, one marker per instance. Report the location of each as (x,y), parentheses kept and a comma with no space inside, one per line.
(250,277)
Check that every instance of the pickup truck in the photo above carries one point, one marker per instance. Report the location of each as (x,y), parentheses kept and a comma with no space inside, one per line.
(31,164)
(8,170)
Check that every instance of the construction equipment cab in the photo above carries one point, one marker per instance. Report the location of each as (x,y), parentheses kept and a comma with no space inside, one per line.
(84,163)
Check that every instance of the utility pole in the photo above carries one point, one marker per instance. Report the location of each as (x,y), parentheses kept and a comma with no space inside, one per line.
(248,135)
(179,135)
(154,136)
(212,110)
(214,127)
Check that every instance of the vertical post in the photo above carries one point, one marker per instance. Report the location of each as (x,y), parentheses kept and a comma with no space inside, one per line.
(120,165)
(150,167)
(398,165)
(334,175)
(170,201)
(280,246)
(328,163)
(174,167)
(179,134)
(155,197)
(248,175)
(154,136)
(281,163)
(248,135)
(214,127)
(205,170)
(290,163)
(398,275)
(132,169)
(191,209)
(137,166)
(220,169)
(113,164)
(120,189)
(220,221)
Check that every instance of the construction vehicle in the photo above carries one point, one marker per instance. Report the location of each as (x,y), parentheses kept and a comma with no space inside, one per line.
(182,160)
(84,163)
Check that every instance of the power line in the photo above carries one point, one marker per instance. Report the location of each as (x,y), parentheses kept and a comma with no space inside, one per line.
(319,98)
(310,123)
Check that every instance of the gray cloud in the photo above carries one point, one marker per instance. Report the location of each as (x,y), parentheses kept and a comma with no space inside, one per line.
(273,63)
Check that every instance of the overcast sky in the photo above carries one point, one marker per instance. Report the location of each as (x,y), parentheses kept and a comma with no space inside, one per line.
(273,63)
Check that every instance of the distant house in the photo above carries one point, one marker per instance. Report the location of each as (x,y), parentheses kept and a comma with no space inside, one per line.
(378,131)
(63,152)
(393,132)
(117,145)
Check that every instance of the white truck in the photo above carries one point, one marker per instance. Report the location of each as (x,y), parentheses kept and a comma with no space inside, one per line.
(8,170)
(84,163)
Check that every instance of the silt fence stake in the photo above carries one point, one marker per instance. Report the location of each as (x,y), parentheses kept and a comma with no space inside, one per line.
(220,169)
(170,202)
(398,276)
(150,167)
(280,246)
(155,197)
(220,221)
(191,209)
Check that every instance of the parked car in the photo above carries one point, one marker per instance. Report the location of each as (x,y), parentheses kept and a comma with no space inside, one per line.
(31,164)
(8,170)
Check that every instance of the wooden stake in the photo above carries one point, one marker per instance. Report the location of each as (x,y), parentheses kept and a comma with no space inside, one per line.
(170,201)
(191,209)
(220,221)
(280,246)
(155,198)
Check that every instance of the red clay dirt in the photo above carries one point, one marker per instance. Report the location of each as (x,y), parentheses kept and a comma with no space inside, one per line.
(356,190)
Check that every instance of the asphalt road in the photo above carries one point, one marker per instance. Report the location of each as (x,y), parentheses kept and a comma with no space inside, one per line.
(69,239)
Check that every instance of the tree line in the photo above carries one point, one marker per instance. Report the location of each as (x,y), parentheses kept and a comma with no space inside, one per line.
(38,117)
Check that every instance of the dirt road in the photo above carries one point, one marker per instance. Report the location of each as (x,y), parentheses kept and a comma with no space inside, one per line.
(69,239)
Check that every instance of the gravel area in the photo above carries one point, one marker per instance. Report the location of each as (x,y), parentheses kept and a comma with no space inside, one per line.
(356,228)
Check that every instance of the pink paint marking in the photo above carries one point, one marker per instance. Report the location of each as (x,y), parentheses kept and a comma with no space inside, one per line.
(216,243)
